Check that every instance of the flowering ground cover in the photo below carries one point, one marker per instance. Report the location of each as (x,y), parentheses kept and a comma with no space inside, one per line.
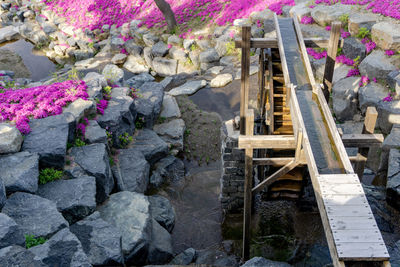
(20,105)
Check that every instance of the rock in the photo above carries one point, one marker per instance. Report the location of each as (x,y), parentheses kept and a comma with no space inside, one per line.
(129,212)
(148,56)
(340,72)
(80,108)
(95,134)
(325,15)
(184,258)
(100,240)
(172,132)
(205,66)
(93,159)
(75,198)
(227,61)
(253,70)
(257,32)
(301,10)
(49,138)
(241,22)
(189,88)
(203,44)
(18,256)
(376,65)
(178,54)
(345,95)
(136,64)
(11,61)
(150,39)
(35,215)
(371,95)
(215,258)
(20,172)
(393,80)
(113,74)
(187,43)
(119,58)
(391,142)
(386,35)
(160,250)
(162,211)
(8,33)
(10,233)
(63,249)
(169,169)
(174,40)
(138,80)
(393,179)
(358,21)
(388,114)
(116,44)
(94,79)
(353,48)
(132,48)
(261,262)
(131,171)
(165,67)
(222,44)
(211,55)
(151,145)
(3,197)
(148,106)
(10,139)
(261,15)
(170,108)
(159,49)
(215,70)
(221,80)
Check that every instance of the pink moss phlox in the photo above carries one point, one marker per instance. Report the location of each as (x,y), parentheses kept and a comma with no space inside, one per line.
(328,28)
(169,46)
(389,53)
(344,34)
(370,46)
(344,60)
(101,106)
(353,72)
(374,80)
(307,20)
(389,98)
(364,81)
(316,54)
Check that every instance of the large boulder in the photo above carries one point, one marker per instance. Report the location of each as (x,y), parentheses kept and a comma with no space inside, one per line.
(136,64)
(393,179)
(62,249)
(386,35)
(151,145)
(353,48)
(208,56)
(75,198)
(262,262)
(376,65)
(345,95)
(221,80)
(95,134)
(131,171)
(35,215)
(10,139)
(20,172)
(162,211)
(148,105)
(165,67)
(94,160)
(189,88)
(13,256)
(371,95)
(80,108)
(129,212)
(325,15)
(172,132)
(391,141)
(100,240)
(150,39)
(159,49)
(169,169)
(8,33)
(160,250)
(113,74)
(358,21)
(10,232)
(170,108)
(388,114)
(138,80)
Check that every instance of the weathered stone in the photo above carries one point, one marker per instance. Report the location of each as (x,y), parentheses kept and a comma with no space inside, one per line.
(8,33)
(113,74)
(211,55)
(261,262)
(150,39)
(177,53)
(376,65)
(358,21)
(165,67)
(148,106)
(386,35)
(215,258)
(162,211)
(340,72)
(93,159)
(169,169)
(119,58)
(388,114)
(20,172)
(257,32)
(64,248)
(215,70)
(391,141)
(172,132)
(393,80)
(227,61)
(221,80)
(253,70)
(203,44)
(75,198)
(159,49)
(187,43)
(206,66)
(393,179)
(138,80)
(136,64)
(345,95)
(151,145)
(353,48)
(325,15)
(148,56)
(131,171)
(301,10)
(170,108)
(261,15)
(174,40)
(241,22)
(3,197)
(184,258)
(10,232)
(129,212)
(18,256)
(194,57)
(189,88)
(132,48)
(95,134)
(371,95)
(80,108)
(160,250)
(10,139)
(35,215)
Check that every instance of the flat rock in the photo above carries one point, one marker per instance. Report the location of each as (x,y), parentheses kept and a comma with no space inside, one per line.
(80,108)
(93,159)
(10,232)
(167,170)
(75,198)
(162,211)
(262,262)
(100,240)
(95,134)
(301,10)
(221,80)
(148,105)
(345,96)
(131,171)
(159,49)
(8,33)
(210,55)
(340,72)
(172,132)
(325,15)
(136,64)
(10,139)
(165,67)
(358,21)
(184,258)
(160,250)
(376,65)
(187,43)
(151,145)
(189,88)
(35,215)
(393,179)
(393,80)
(138,80)
(386,35)
(170,108)
(64,248)
(18,256)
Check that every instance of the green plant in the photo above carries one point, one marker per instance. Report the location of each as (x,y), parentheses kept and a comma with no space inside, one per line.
(344,19)
(194,47)
(230,48)
(31,241)
(139,123)
(73,74)
(91,45)
(363,32)
(125,139)
(339,51)
(107,91)
(111,160)
(109,138)
(49,174)
(79,142)
(161,119)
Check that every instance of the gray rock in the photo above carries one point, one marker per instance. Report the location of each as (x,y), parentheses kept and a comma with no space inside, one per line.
(205,66)
(203,44)
(150,39)
(261,262)
(257,32)
(174,40)
(94,79)
(221,45)
(129,212)
(215,258)
(138,80)
(160,250)
(3,197)
(95,134)
(170,108)
(132,48)
(376,65)
(388,114)
(18,256)
(116,44)
(8,33)
(393,80)
(169,169)
(113,74)
(178,54)
(253,70)
(358,21)
(136,64)
(148,106)
(386,35)
(159,49)
(345,95)
(211,55)
(215,70)
(352,48)
(93,159)
(301,10)
(80,108)
(148,56)
(221,80)
(165,67)
(131,171)
(187,43)
(49,138)
(194,57)
(162,211)
(184,258)
(10,232)
(100,240)
(63,249)
(340,72)
(172,132)
(35,215)
(75,198)
(189,88)
(393,179)
(371,95)
(261,15)
(325,15)
(10,139)
(119,58)
(227,61)
(241,22)
(20,172)
(151,145)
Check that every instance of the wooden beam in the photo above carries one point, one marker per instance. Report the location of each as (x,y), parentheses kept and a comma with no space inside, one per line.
(244,89)
(362,140)
(273,43)
(331,58)
(267,141)
(270,113)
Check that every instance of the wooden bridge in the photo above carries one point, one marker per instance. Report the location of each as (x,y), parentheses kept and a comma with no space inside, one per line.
(297,130)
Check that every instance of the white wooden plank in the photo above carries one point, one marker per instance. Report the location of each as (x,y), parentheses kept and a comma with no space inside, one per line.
(341,189)
(366,251)
(338,179)
(352,223)
(332,200)
(348,211)
(357,236)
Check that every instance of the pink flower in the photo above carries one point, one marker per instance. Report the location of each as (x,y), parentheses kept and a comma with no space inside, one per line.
(353,72)
(388,98)
(169,46)
(370,46)
(328,28)
(364,81)
(344,60)
(315,54)
(389,53)
(306,20)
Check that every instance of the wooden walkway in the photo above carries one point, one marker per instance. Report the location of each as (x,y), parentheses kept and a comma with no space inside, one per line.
(351,230)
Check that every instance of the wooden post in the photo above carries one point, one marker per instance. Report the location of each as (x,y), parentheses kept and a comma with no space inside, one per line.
(248,184)
(244,89)
(369,126)
(331,58)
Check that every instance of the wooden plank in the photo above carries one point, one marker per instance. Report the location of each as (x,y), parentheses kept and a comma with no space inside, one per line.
(362,251)
(277,161)
(341,200)
(282,53)
(270,115)
(352,223)
(273,42)
(267,141)
(362,140)
(357,236)
(348,210)
(244,88)
(338,179)
(331,58)
(341,189)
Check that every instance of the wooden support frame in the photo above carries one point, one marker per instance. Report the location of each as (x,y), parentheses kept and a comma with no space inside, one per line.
(244,88)
(273,42)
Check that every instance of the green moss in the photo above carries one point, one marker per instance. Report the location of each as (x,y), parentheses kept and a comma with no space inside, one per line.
(49,174)
(31,241)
